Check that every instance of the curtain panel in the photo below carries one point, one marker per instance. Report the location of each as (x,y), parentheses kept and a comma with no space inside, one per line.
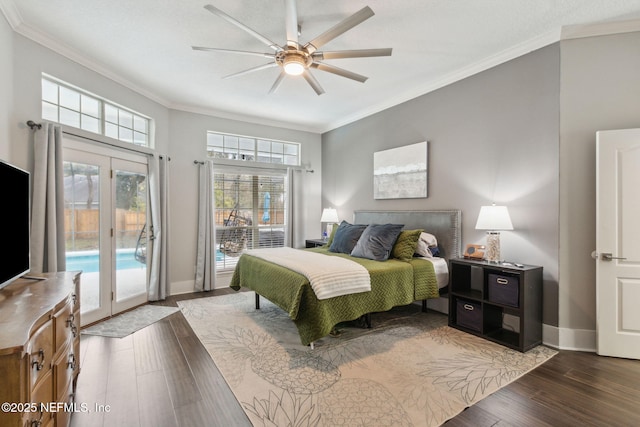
(205,257)
(47,206)
(159,200)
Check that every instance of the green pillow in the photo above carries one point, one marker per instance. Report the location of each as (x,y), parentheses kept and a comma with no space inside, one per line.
(334,227)
(406,244)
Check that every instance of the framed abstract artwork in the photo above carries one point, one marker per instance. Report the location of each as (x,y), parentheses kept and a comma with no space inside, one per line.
(400,173)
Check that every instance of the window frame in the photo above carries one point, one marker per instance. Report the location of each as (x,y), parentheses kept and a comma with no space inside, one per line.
(141,125)
(248,231)
(235,152)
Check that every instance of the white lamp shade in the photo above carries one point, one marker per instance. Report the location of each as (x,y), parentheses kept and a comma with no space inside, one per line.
(329,215)
(494,218)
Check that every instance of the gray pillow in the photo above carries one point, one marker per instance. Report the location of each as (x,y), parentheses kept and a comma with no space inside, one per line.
(377,241)
(346,237)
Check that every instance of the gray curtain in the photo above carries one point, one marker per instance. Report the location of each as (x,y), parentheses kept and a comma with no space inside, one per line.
(47,205)
(294,208)
(159,229)
(206,257)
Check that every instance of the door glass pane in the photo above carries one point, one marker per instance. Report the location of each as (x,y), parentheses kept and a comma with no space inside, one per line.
(82,228)
(130,234)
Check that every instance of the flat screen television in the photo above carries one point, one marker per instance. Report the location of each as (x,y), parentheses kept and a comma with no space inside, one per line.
(15,258)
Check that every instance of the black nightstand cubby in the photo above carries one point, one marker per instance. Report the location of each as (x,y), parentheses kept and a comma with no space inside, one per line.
(471,285)
(314,243)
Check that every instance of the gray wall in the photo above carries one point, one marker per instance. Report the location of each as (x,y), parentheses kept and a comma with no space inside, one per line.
(493,137)
(188,143)
(6,85)
(600,90)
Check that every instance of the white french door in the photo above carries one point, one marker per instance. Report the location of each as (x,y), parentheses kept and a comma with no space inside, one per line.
(106,199)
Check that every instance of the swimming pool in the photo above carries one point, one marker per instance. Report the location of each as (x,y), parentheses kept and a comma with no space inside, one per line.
(88,261)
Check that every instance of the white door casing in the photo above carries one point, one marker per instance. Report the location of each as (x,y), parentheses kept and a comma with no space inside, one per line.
(618,243)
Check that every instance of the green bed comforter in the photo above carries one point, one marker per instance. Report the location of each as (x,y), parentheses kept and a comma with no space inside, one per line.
(393,283)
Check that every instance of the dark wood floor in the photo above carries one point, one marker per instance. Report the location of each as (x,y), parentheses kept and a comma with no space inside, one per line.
(162,376)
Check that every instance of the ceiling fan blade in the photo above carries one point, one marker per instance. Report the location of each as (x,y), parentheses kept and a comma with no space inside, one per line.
(291,22)
(240,25)
(276,84)
(360,53)
(341,27)
(251,70)
(313,82)
(339,71)
(241,52)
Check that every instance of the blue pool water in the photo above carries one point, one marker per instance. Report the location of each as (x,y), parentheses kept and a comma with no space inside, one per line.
(88,261)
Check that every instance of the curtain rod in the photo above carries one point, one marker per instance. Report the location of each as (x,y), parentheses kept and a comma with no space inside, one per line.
(200,162)
(33,125)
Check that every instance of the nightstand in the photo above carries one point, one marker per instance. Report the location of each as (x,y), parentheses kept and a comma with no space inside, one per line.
(482,294)
(314,243)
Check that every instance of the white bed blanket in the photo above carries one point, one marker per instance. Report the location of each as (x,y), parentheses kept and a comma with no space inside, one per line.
(329,276)
(441,269)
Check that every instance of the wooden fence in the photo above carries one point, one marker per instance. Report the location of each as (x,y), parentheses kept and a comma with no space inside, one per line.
(85,223)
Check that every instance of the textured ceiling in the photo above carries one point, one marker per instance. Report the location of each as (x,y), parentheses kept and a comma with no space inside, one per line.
(146,45)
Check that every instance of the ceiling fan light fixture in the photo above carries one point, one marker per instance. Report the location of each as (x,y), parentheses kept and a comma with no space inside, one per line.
(294,65)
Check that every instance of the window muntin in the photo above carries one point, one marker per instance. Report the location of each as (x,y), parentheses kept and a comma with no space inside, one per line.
(250,212)
(234,147)
(73,107)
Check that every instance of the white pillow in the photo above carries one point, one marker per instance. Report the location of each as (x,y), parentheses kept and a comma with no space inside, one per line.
(429,239)
(423,249)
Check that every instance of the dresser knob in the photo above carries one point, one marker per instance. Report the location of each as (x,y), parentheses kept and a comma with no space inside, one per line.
(38,363)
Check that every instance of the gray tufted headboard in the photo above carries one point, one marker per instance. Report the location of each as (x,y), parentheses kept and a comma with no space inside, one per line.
(444,224)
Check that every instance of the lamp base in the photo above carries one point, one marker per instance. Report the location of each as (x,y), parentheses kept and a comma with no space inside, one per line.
(328,231)
(492,252)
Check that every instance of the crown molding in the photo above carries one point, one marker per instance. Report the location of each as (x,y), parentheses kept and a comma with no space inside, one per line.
(229,115)
(11,13)
(600,29)
(16,22)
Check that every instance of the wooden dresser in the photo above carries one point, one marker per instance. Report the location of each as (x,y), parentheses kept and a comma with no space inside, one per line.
(39,350)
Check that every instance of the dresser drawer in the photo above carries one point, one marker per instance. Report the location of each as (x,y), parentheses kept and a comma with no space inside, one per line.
(65,324)
(40,349)
(41,394)
(63,370)
(63,418)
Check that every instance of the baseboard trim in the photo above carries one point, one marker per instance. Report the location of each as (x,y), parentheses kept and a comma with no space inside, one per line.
(569,339)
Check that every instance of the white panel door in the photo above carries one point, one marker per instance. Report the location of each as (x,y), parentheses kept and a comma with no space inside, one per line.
(618,243)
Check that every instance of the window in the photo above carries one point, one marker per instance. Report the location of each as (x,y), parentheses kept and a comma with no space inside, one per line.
(73,107)
(250,213)
(234,147)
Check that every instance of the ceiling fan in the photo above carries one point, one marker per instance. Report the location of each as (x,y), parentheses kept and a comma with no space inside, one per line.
(296,59)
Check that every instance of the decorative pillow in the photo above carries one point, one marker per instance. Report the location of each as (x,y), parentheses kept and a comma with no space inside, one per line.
(429,239)
(406,245)
(377,241)
(422,249)
(427,243)
(334,227)
(346,237)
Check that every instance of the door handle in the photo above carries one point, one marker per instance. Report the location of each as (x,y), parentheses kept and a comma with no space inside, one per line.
(609,257)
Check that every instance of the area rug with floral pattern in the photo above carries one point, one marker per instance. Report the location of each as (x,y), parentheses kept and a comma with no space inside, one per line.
(410,369)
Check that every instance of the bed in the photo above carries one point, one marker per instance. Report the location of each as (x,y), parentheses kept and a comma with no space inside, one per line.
(393,282)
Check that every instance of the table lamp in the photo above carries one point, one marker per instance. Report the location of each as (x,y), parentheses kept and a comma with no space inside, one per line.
(330,216)
(493,219)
